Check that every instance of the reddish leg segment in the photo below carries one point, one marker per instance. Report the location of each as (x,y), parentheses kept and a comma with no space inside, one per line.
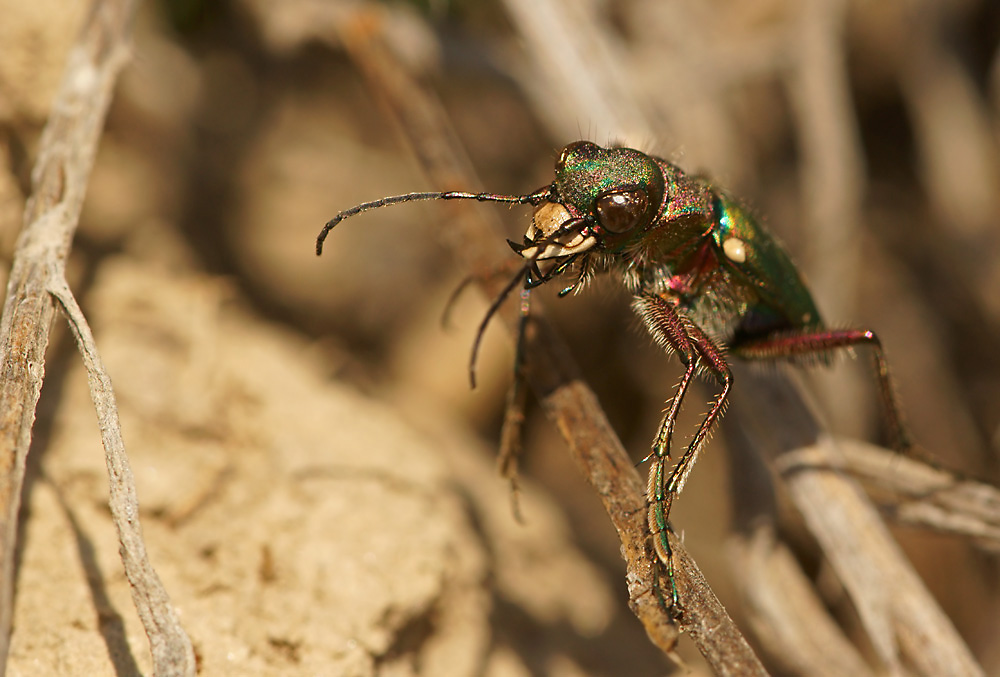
(801,344)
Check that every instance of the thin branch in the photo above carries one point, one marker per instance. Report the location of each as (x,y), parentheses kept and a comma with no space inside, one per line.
(65,158)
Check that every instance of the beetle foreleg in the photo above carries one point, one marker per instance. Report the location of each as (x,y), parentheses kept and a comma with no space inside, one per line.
(696,349)
(712,358)
(670,331)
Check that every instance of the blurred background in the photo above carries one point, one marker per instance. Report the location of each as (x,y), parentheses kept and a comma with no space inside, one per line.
(865,135)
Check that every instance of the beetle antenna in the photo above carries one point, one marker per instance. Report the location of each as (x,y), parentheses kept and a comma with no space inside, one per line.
(530,265)
(531,198)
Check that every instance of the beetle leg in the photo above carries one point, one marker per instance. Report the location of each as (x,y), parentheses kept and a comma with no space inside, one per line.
(798,344)
(513,418)
(713,360)
(696,349)
(669,330)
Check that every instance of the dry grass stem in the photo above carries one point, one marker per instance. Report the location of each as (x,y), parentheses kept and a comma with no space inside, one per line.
(169,645)
(789,618)
(916,494)
(65,157)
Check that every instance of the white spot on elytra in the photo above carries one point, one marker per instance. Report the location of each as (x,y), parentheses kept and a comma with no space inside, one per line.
(735,249)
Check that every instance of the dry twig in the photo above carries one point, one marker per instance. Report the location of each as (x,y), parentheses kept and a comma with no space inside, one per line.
(37,283)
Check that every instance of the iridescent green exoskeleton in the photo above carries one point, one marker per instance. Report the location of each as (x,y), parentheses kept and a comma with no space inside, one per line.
(708,281)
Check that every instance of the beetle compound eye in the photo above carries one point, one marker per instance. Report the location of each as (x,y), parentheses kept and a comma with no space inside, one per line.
(620,211)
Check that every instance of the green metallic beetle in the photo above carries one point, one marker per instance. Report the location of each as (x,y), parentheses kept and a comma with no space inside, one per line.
(707,281)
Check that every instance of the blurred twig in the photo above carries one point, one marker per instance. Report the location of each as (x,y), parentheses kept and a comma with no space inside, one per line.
(832,165)
(832,179)
(916,494)
(37,283)
(580,70)
(901,617)
(788,616)
(957,149)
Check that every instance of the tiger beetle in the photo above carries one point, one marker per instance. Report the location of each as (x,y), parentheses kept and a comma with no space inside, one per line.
(708,281)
